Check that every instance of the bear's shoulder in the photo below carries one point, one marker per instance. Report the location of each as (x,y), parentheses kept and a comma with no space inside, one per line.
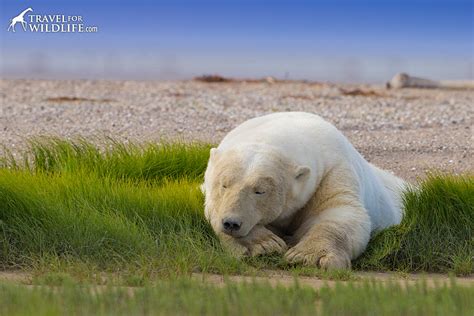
(283,130)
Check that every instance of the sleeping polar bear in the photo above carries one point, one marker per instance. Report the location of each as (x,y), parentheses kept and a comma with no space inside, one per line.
(292,183)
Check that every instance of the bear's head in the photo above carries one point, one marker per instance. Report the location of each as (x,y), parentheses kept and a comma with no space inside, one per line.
(249,185)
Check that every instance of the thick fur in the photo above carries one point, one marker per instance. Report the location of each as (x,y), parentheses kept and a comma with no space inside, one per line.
(300,188)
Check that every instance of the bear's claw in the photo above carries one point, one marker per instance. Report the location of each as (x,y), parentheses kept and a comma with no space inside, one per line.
(266,245)
(331,261)
(323,259)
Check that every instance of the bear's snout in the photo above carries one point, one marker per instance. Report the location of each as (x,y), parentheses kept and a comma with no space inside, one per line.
(230,225)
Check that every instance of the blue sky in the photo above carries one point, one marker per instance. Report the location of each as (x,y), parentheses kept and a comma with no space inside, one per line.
(317,40)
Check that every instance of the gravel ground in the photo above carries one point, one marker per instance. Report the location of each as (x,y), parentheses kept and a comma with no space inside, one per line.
(407,131)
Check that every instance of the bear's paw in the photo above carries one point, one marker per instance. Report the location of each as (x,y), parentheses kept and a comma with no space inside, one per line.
(323,258)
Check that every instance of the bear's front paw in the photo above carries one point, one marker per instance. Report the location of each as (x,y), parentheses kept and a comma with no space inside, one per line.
(334,262)
(232,246)
(265,244)
(322,258)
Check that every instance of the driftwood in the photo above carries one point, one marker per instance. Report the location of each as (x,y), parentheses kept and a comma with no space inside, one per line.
(403,80)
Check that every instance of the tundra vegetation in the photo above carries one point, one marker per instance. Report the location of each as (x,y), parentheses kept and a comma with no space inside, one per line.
(118,215)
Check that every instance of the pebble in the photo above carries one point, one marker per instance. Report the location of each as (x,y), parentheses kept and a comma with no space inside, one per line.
(398,129)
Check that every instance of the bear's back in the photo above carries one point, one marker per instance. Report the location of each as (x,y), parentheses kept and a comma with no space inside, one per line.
(300,136)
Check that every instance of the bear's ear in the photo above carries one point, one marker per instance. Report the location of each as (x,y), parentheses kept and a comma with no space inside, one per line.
(213,152)
(302,172)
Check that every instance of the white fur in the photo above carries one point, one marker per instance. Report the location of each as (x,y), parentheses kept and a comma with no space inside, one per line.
(312,144)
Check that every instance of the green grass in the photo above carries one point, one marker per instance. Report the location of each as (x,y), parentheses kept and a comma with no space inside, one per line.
(137,210)
(186,297)
(147,162)
(436,233)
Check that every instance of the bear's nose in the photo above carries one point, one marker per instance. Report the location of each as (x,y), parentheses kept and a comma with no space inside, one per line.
(231,225)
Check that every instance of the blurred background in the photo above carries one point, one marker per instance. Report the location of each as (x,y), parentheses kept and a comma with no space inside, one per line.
(340,41)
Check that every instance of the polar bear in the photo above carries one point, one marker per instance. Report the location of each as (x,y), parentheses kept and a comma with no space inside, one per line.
(291,183)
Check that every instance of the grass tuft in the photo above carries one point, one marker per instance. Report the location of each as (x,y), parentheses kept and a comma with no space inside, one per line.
(71,205)
(145,162)
(436,233)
